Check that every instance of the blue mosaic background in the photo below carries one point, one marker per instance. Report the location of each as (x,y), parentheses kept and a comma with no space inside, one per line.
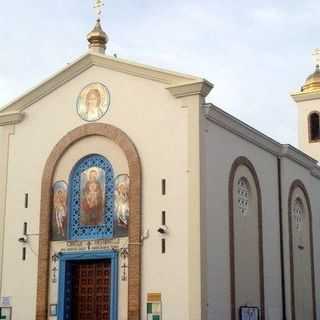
(86,232)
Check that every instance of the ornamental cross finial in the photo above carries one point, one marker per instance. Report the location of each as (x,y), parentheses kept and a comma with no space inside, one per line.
(316,56)
(98,6)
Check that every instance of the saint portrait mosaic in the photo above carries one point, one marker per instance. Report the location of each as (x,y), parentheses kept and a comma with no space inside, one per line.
(59,211)
(121,204)
(93,102)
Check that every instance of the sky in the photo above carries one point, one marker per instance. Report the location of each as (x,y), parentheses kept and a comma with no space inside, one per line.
(255,52)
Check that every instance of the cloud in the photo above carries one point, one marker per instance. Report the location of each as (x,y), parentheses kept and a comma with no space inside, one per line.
(269,15)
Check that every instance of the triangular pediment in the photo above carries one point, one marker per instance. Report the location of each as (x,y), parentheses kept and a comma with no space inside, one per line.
(173,80)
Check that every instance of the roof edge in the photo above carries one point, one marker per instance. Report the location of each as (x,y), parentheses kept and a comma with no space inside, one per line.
(305,96)
(11,118)
(201,87)
(241,129)
(85,62)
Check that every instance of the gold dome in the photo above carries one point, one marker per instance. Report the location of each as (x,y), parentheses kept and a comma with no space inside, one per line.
(313,81)
(97,39)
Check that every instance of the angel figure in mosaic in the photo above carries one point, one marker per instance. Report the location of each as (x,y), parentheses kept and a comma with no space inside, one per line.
(122,200)
(60,209)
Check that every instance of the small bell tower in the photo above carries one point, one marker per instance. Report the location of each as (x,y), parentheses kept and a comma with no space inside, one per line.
(97,38)
(308,103)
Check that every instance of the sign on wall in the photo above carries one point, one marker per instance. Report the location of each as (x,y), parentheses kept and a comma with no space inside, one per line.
(91,245)
(154,306)
(5,302)
(5,308)
(249,313)
(5,313)
(53,310)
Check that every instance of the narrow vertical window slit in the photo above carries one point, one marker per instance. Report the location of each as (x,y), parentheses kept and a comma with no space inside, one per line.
(163,186)
(26,200)
(163,218)
(163,245)
(25,228)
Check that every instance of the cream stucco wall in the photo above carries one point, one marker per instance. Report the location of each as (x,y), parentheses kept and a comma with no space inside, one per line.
(222,148)
(246,244)
(158,125)
(302,260)
(290,172)
(5,133)
(91,145)
(315,207)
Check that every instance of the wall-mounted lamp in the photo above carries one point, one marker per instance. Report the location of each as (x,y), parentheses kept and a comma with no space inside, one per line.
(163,229)
(23,239)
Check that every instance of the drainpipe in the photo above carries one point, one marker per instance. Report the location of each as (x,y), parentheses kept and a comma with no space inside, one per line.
(283,281)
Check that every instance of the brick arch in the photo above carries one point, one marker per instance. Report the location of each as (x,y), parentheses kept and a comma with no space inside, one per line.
(134,277)
(243,161)
(298,184)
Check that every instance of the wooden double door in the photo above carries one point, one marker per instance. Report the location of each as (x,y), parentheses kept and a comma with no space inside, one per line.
(90,290)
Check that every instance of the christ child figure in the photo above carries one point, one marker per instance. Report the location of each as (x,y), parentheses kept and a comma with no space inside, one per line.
(92,202)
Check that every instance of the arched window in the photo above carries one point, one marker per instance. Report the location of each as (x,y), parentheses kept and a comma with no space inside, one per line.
(91,189)
(298,215)
(301,253)
(314,126)
(243,196)
(245,228)
(298,221)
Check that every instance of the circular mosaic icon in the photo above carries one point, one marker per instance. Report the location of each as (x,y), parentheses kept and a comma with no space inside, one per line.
(93,102)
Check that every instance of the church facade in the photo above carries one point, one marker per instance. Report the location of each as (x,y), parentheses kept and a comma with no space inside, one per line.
(125,195)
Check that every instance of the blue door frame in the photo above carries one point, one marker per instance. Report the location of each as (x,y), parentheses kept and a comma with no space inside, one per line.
(64,262)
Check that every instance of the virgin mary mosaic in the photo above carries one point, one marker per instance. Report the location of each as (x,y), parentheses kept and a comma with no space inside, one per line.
(93,102)
(92,197)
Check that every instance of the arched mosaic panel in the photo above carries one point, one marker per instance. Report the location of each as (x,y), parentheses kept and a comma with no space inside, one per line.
(91,192)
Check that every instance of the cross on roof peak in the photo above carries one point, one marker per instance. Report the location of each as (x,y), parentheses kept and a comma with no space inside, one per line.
(316,56)
(98,6)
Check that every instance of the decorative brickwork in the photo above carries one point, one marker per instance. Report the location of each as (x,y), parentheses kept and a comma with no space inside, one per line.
(134,277)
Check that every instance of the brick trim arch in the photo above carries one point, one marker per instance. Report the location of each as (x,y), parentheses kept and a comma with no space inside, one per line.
(298,184)
(236,164)
(134,277)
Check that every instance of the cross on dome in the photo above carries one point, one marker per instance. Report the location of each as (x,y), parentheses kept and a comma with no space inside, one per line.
(97,38)
(312,83)
(98,6)
(316,56)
